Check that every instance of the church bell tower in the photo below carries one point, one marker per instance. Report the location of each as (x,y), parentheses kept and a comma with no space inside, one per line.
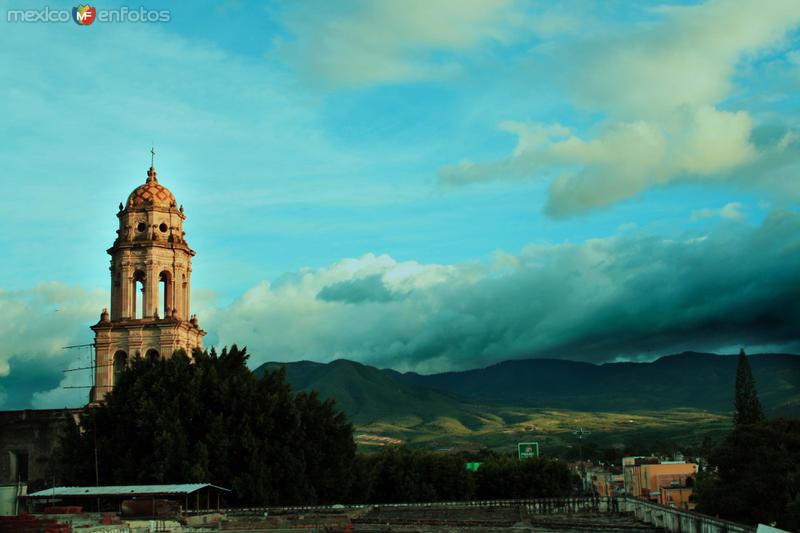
(151,268)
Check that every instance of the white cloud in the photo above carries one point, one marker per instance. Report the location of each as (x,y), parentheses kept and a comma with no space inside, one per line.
(368,42)
(686,60)
(659,86)
(730,211)
(624,159)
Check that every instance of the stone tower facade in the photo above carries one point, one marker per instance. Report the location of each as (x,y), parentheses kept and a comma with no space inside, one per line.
(151,268)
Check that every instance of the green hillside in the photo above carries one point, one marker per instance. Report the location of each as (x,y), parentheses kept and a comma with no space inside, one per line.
(369,395)
(680,397)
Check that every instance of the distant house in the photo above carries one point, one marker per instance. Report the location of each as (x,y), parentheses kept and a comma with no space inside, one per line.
(669,483)
(608,482)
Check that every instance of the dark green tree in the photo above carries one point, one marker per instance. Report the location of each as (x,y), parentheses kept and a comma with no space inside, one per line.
(209,419)
(401,474)
(70,462)
(327,446)
(508,477)
(748,408)
(753,476)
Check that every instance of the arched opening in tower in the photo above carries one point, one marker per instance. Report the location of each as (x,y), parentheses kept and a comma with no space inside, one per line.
(120,362)
(137,296)
(165,287)
(152,354)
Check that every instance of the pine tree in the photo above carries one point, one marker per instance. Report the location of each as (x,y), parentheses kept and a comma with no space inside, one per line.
(748,408)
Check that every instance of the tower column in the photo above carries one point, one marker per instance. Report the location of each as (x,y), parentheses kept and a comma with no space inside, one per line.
(102,350)
(169,294)
(115,292)
(186,292)
(126,288)
(150,291)
(179,291)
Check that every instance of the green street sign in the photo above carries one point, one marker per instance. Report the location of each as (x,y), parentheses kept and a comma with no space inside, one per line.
(473,467)
(528,450)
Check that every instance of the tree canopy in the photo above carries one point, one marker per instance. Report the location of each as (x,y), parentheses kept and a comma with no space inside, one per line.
(405,475)
(209,419)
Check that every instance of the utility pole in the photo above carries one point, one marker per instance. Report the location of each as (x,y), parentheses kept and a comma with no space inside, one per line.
(96,465)
(581,433)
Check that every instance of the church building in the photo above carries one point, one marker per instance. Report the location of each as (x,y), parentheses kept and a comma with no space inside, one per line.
(151,269)
(149,316)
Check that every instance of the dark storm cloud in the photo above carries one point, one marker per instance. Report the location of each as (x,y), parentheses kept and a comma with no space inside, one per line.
(35,325)
(27,377)
(368,289)
(619,297)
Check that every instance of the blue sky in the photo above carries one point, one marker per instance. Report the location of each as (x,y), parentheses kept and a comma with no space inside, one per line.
(423,185)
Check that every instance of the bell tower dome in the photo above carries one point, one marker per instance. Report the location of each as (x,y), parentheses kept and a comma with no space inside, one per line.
(151,267)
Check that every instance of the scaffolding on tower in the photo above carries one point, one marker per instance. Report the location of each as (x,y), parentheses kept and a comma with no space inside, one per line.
(92,365)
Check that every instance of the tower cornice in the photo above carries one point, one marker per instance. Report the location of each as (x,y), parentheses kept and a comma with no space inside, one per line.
(132,245)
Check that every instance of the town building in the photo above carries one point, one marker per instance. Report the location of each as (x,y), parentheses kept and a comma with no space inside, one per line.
(607,482)
(667,482)
(27,438)
(677,495)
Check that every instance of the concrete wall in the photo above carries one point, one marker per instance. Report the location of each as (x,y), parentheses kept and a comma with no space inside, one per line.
(31,434)
(8,498)
(674,520)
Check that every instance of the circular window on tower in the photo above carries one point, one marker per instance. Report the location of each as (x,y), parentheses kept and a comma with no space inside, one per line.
(141,226)
(163,227)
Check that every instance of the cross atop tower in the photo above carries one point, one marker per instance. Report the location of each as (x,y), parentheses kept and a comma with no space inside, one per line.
(152,154)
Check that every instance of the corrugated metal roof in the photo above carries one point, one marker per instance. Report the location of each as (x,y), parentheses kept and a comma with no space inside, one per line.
(122,490)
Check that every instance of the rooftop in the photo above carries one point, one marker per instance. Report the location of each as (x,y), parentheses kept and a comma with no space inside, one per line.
(123,490)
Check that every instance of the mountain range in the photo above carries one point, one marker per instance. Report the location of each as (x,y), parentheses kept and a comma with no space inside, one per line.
(699,381)
(368,394)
